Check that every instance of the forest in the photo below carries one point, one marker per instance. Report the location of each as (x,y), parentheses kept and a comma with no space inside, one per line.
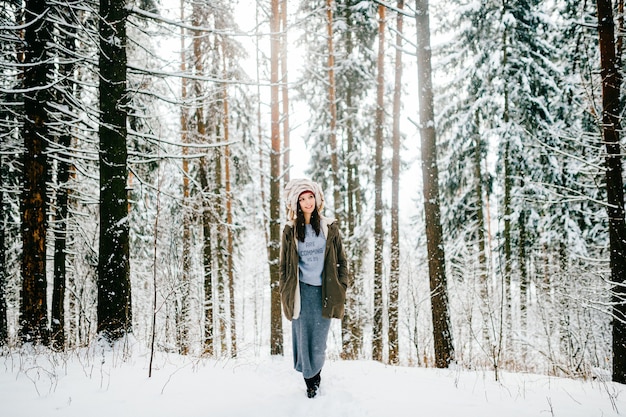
(145,144)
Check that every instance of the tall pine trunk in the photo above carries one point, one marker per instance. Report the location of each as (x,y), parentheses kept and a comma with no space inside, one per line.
(229,221)
(4,330)
(284,88)
(276,330)
(442,336)
(332,110)
(183,326)
(523,283)
(220,250)
(611,110)
(394,275)
(507,211)
(34,202)
(60,249)
(377,336)
(207,259)
(114,292)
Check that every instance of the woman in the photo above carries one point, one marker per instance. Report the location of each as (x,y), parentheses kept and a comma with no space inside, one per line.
(313,277)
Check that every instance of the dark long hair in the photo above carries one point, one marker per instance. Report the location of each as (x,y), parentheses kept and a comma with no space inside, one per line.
(315,222)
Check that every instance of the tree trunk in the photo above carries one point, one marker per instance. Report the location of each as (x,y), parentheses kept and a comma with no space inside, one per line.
(4,330)
(33,310)
(229,223)
(332,107)
(284,88)
(183,326)
(60,246)
(523,284)
(394,275)
(611,110)
(276,330)
(73,314)
(220,250)
(507,210)
(442,337)
(207,258)
(377,337)
(114,292)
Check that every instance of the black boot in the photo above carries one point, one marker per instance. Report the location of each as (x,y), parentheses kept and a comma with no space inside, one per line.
(312,385)
(317,380)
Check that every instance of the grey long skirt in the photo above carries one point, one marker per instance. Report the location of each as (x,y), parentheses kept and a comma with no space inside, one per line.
(309,332)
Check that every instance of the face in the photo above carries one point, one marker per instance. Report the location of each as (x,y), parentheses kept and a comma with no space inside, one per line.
(307,202)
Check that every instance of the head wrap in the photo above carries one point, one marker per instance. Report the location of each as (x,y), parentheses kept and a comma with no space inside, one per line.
(297,186)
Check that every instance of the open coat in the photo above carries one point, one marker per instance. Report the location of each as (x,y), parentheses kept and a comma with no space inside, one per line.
(334,275)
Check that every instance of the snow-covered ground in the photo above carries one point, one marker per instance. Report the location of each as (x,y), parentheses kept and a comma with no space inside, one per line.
(95,383)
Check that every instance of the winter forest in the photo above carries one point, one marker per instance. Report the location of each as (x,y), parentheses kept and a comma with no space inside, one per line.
(470,149)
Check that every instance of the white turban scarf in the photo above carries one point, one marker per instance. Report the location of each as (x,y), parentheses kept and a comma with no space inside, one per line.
(297,186)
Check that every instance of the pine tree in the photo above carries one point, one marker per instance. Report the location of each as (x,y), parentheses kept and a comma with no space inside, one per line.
(114,292)
(36,135)
(394,275)
(611,109)
(284,79)
(4,330)
(442,334)
(377,332)
(276,337)
(186,203)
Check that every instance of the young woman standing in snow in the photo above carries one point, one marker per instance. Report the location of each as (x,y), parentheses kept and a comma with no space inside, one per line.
(313,277)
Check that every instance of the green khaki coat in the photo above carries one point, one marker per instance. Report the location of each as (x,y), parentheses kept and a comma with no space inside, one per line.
(334,274)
